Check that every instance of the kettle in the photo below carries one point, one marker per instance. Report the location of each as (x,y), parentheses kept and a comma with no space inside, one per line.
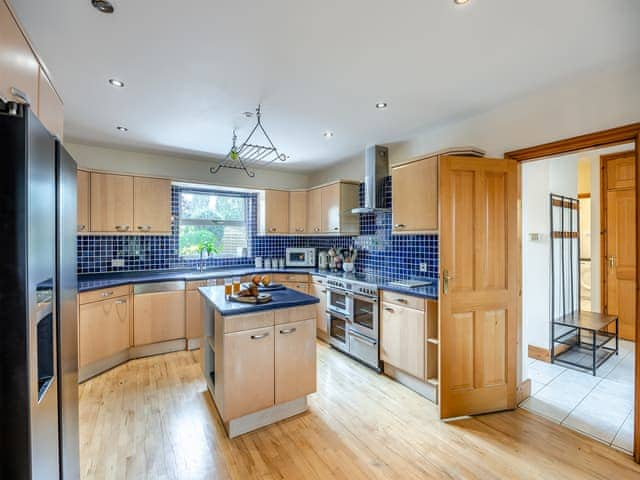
(323,260)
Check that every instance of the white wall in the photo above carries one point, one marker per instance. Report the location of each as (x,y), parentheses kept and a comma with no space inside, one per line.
(179,168)
(593,101)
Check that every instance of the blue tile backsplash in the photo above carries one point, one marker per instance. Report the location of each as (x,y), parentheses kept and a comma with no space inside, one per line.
(380,253)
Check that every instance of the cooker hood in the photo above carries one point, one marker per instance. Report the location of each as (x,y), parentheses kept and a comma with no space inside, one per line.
(376,168)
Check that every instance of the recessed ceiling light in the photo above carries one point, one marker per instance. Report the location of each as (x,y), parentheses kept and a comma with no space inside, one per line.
(103,6)
(460,2)
(122,129)
(381,105)
(328,134)
(116,83)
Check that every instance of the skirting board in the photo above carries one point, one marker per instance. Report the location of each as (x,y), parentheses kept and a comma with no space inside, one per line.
(543,354)
(426,390)
(157,348)
(260,419)
(523,391)
(193,343)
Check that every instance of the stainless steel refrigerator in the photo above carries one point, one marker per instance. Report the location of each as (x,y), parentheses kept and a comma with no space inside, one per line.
(38,337)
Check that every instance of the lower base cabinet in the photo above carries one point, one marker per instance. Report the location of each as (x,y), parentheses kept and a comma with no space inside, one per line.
(403,338)
(320,291)
(295,360)
(299,286)
(104,329)
(193,314)
(158,317)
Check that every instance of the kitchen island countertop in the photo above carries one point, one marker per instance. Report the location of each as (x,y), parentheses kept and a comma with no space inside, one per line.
(285,298)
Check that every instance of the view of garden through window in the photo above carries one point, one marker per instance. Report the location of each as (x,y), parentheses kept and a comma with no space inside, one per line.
(212,223)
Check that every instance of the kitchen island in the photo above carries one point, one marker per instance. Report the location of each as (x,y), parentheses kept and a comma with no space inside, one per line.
(259,361)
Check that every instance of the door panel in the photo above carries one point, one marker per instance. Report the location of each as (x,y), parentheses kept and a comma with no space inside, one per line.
(478,241)
(84,212)
(152,205)
(621,172)
(295,360)
(111,202)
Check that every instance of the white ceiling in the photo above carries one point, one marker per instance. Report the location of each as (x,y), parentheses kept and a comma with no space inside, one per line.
(192,66)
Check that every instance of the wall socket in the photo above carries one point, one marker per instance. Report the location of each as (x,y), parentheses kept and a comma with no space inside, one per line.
(423,267)
(117,262)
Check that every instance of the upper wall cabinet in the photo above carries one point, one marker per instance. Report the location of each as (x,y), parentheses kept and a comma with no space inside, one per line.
(414,202)
(298,212)
(276,211)
(84,211)
(314,211)
(336,201)
(50,109)
(19,67)
(126,204)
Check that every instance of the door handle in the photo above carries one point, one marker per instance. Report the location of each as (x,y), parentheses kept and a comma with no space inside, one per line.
(401,300)
(120,302)
(389,309)
(287,331)
(446,276)
(612,262)
(258,337)
(106,294)
(399,225)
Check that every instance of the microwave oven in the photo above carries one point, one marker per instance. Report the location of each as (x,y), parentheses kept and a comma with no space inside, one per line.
(301,257)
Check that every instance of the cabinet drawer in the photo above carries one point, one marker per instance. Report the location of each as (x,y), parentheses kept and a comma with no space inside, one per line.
(102,294)
(238,323)
(287,315)
(403,300)
(300,287)
(318,279)
(290,277)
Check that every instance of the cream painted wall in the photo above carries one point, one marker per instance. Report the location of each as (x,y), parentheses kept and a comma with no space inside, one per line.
(594,101)
(178,168)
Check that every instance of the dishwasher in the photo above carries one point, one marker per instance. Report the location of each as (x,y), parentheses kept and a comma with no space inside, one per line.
(158,312)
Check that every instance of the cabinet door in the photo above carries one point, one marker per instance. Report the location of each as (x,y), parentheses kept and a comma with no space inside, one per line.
(50,110)
(18,65)
(320,291)
(103,329)
(314,211)
(295,368)
(414,192)
(158,317)
(111,203)
(84,213)
(299,286)
(248,372)
(276,211)
(298,212)
(194,314)
(330,198)
(402,338)
(152,205)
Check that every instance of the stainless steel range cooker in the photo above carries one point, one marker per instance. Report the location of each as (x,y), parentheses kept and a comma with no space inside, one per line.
(352,317)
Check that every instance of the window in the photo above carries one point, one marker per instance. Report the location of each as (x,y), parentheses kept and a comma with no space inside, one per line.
(214,220)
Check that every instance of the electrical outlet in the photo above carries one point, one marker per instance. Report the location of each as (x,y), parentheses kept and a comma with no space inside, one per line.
(117,262)
(423,267)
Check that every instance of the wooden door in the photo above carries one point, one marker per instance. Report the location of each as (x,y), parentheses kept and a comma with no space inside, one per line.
(298,212)
(50,110)
(111,203)
(248,369)
(103,329)
(18,65)
(152,205)
(314,211)
(478,300)
(320,291)
(158,317)
(295,360)
(193,314)
(276,211)
(330,201)
(414,191)
(84,212)
(402,338)
(620,241)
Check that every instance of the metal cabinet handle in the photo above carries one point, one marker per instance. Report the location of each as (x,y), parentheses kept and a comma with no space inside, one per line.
(336,228)
(145,228)
(399,225)
(324,290)
(120,302)
(288,331)
(20,95)
(106,294)
(401,300)
(258,337)
(389,309)
(122,228)
(317,229)
(81,227)
(273,229)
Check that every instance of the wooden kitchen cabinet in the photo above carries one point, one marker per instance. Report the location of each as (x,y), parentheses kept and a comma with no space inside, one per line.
(314,211)
(19,66)
(193,313)
(337,200)
(84,211)
(414,193)
(295,360)
(330,201)
(319,290)
(276,211)
(111,203)
(158,317)
(402,342)
(103,329)
(50,109)
(152,205)
(248,372)
(298,212)
(299,286)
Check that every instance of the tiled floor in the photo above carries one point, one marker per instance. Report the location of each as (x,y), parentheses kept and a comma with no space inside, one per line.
(600,406)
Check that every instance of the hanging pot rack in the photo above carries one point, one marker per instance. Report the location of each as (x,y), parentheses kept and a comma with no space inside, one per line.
(248,154)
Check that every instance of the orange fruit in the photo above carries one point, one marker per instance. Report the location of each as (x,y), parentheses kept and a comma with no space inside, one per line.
(266,280)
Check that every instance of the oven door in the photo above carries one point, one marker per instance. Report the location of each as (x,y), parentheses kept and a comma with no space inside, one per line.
(339,301)
(338,328)
(365,316)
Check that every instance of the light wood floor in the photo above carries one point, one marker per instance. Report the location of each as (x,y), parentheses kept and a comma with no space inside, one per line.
(152,418)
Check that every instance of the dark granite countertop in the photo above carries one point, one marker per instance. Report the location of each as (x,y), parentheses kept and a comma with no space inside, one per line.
(87,282)
(285,298)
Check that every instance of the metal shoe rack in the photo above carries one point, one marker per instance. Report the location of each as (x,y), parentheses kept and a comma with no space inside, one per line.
(578,339)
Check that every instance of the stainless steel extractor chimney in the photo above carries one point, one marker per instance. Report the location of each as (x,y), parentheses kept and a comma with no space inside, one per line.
(376,168)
